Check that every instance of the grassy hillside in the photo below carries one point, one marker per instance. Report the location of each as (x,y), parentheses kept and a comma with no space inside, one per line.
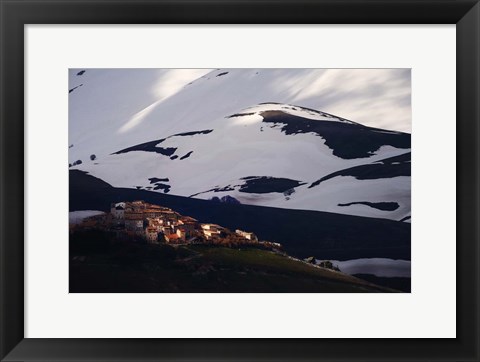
(99,265)
(301,232)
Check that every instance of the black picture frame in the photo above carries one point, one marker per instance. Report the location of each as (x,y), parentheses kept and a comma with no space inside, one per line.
(16,13)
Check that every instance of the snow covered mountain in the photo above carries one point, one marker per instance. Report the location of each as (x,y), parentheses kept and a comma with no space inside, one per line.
(234,135)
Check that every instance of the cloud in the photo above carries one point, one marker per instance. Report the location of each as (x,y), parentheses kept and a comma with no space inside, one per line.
(170,82)
(376,97)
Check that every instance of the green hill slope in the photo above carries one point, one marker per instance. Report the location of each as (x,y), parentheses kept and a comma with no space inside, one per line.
(98,265)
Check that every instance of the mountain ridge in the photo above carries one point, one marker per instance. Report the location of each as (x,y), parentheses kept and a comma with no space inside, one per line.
(302,233)
(212,134)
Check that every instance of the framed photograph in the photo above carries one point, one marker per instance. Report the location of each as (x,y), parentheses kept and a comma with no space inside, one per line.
(239,180)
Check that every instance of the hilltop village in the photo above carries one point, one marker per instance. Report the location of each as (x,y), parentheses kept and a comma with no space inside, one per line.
(154,224)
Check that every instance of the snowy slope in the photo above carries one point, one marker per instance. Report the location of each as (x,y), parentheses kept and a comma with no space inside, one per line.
(218,133)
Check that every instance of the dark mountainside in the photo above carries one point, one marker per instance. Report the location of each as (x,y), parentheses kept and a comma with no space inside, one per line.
(346,140)
(387,168)
(302,233)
